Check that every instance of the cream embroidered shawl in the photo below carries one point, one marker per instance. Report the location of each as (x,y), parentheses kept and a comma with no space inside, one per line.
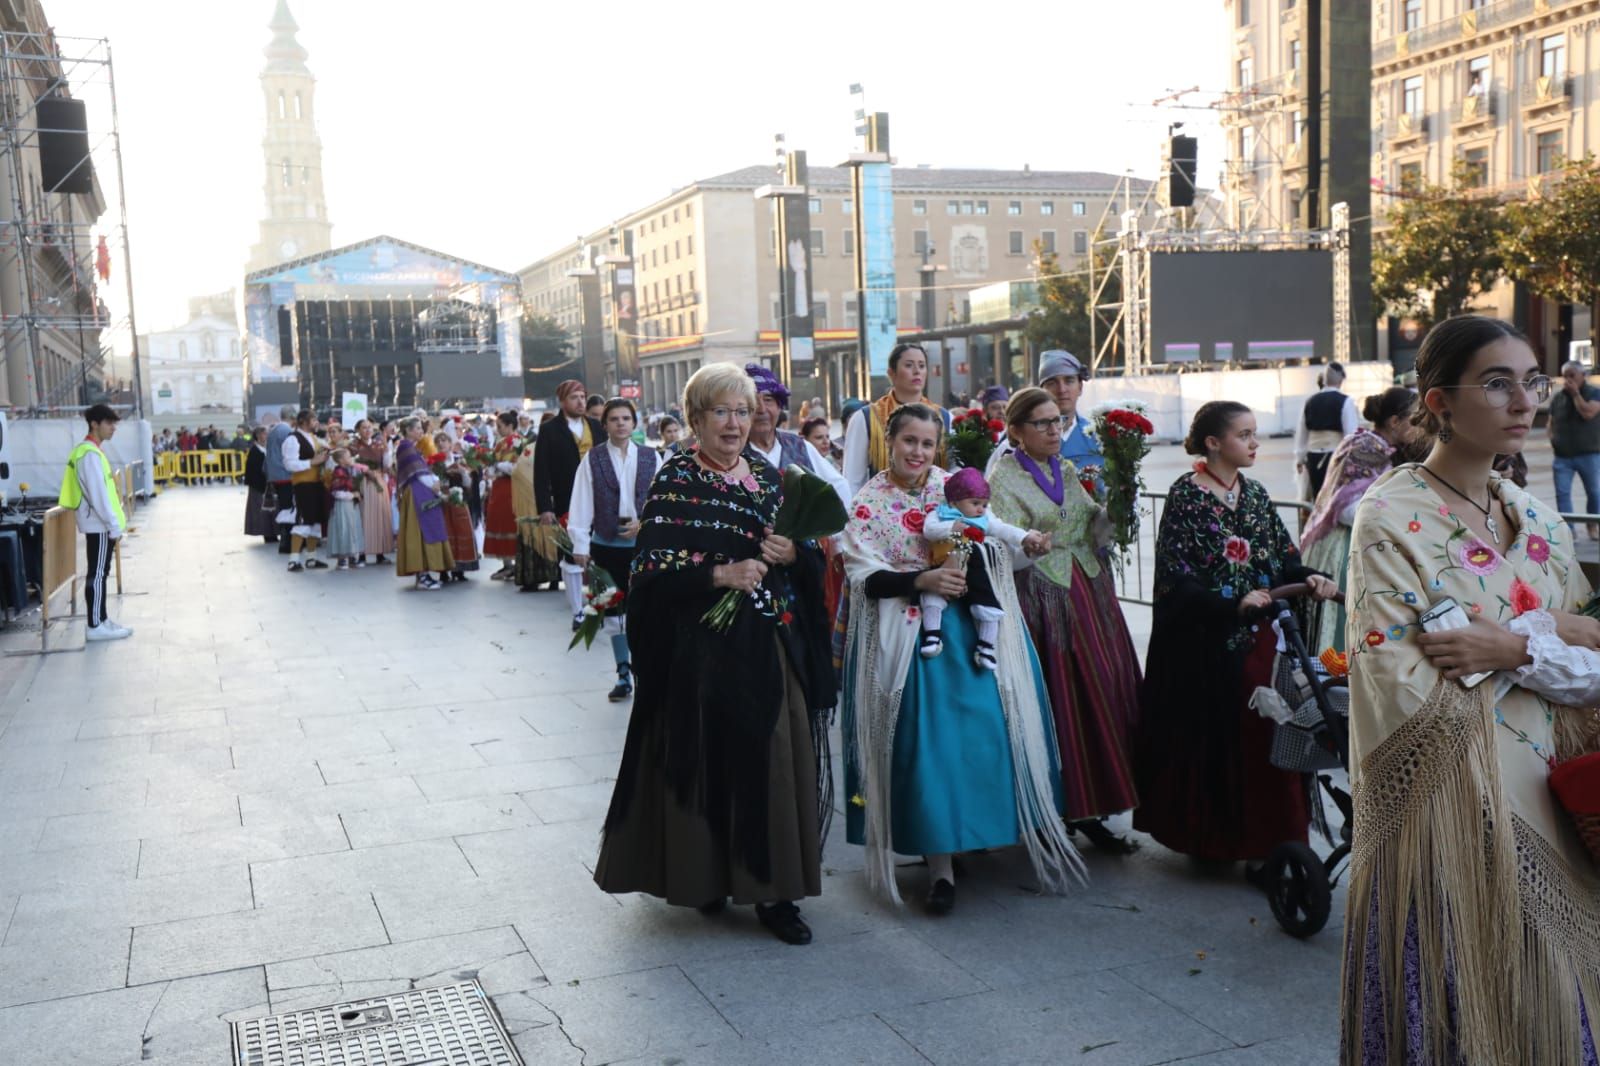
(1454,820)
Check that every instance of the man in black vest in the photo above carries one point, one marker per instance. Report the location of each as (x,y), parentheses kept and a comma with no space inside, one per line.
(555,462)
(1329,417)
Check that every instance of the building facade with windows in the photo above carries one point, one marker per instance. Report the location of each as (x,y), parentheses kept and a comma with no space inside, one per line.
(194,367)
(1500,88)
(705,263)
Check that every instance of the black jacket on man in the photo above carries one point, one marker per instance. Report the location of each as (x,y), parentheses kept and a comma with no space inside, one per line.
(555,463)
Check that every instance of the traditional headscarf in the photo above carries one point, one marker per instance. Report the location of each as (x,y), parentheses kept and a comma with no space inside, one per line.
(966,484)
(567,386)
(767,382)
(1356,464)
(993,394)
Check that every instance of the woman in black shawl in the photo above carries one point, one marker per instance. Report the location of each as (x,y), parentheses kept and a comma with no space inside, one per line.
(718,793)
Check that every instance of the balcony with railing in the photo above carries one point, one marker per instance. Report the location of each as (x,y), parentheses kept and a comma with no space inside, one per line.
(1463,26)
(1474,109)
(1263,95)
(1406,127)
(1550,91)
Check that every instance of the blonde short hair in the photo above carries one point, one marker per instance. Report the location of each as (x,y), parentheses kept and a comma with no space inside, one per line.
(716,382)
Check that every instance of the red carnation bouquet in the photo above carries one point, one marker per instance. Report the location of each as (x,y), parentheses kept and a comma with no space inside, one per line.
(973,438)
(1124,434)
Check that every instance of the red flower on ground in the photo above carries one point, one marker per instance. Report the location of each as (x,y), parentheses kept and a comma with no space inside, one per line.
(1236,550)
(1524,598)
(913,520)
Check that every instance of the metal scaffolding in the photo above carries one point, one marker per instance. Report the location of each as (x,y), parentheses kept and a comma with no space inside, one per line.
(59,250)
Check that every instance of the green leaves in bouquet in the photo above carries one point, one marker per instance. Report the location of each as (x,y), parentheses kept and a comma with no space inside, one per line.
(811,509)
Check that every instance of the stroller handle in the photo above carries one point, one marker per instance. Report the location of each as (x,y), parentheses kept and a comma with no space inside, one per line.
(1298,589)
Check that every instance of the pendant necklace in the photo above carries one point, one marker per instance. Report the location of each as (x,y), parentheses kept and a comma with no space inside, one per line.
(1488,518)
(1230,494)
(712,464)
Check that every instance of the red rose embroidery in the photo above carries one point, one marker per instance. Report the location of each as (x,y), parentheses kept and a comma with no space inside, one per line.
(1236,550)
(1413,526)
(913,521)
(863,512)
(1374,638)
(1524,598)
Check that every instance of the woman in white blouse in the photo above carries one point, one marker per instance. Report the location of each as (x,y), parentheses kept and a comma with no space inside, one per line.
(608,492)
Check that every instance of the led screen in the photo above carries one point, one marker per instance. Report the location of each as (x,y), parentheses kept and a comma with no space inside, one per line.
(1210,307)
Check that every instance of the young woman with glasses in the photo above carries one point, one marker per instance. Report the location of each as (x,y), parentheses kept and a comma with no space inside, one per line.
(1473,911)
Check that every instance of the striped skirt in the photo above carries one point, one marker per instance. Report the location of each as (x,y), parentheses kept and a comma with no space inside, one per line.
(1092,673)
(463,538)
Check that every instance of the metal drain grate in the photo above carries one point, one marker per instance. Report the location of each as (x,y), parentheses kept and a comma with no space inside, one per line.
(449,1025)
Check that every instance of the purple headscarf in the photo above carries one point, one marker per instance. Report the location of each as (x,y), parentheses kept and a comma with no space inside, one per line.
(1358,461)
(767,382)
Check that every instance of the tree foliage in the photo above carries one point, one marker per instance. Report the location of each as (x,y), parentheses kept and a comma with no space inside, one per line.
(1067,301)
(1441,251)
(546,353)
(1552,242)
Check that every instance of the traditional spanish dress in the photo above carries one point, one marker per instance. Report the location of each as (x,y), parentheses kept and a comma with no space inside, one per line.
(458,521)
(1070,604)
(1472,933)
(1325,542)
(377,520)
(940,755)
(1206,787)
(344,515)
(257,519)
(500,516)
(717,794)
(423,543)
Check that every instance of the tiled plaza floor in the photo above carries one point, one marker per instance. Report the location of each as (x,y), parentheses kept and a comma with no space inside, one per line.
(294,790)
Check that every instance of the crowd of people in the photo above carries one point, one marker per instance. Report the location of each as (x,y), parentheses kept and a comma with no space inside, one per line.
(963,631)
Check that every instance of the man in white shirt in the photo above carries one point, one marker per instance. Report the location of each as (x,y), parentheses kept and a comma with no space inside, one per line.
(1329,417)
(780,447)
(89,487)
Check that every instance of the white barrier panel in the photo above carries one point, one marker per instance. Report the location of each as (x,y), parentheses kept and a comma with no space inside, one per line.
(37,449)
(1276,395)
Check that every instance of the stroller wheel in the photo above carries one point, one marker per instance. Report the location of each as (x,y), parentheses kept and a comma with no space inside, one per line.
(1297,888)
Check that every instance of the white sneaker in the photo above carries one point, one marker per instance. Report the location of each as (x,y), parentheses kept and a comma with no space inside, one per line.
(106,631)
(126,631)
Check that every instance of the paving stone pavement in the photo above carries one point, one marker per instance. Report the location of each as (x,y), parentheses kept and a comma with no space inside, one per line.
(292,790)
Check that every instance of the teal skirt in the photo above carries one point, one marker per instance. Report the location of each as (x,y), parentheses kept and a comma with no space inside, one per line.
(954,784)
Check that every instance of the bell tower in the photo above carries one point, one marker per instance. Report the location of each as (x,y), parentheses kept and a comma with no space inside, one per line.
(296,222)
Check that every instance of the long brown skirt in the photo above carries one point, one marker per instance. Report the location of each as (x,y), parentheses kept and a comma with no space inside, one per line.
(377,524)
(413,556)
(666,850)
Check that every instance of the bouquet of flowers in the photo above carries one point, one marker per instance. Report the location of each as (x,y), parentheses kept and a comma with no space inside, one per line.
(810,510)
(456,497)
(1124,435)
(973,438)
(478,457)
(600,597)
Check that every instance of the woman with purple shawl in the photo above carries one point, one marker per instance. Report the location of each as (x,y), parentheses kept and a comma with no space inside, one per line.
(424,547)
(1358,461)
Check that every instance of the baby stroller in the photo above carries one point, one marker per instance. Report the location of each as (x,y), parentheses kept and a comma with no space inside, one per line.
(1312,712)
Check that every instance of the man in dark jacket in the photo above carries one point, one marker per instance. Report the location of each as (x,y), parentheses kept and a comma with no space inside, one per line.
(555,464)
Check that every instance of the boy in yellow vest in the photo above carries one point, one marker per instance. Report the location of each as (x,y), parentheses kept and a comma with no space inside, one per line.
(89,488)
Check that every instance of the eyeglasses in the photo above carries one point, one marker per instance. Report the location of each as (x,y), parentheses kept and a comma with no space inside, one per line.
(1497,391)
(1045,425)
(723,414)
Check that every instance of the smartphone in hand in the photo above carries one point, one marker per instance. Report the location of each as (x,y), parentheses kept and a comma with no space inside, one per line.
(1446,614)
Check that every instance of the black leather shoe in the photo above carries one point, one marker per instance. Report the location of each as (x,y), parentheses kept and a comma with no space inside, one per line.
(621,690)
(941,897)
(1102,838)
(784,922)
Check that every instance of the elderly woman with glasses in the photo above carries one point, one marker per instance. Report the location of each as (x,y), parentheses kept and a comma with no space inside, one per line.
(718,793)
(1070,604)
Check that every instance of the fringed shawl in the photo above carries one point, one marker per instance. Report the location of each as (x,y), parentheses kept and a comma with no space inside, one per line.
(1356,464)
(1455,827)
(885,534)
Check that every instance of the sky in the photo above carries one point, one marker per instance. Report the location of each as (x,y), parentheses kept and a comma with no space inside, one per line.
(497,131)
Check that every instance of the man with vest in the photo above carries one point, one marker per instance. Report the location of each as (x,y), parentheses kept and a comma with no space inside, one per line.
(1575,438)
(88,487)
(555,464)
(779,447)
(866,437)
(1328,418)
(304,457)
